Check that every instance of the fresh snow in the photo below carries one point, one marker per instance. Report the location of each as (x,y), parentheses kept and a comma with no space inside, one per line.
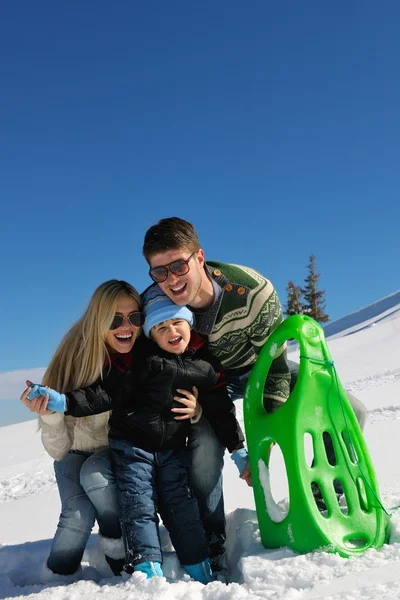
(366,355)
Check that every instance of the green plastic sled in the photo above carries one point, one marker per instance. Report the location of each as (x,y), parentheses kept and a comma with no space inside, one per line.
(317,409)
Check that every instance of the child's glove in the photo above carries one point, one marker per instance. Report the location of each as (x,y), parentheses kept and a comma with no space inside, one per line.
(57,402)
(241,459)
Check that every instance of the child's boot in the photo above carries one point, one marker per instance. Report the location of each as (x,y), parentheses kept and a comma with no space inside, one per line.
(200,572)
(150,568)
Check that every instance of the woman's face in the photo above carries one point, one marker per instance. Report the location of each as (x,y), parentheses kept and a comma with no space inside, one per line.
(122,339)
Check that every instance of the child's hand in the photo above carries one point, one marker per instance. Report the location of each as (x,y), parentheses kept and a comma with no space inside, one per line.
(190,403)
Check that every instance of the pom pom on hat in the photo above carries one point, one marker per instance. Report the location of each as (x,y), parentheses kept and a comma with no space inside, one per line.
(157,307)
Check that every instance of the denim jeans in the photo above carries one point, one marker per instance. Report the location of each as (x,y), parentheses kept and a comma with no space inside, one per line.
(148,481)
(87,491)
(207,462)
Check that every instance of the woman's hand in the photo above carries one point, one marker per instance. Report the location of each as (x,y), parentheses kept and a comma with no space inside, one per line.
(37,405)
(191,405)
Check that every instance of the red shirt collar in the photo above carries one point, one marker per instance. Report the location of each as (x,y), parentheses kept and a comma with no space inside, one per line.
(122,362)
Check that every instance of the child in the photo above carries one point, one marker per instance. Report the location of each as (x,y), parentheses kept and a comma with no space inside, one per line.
(148,443)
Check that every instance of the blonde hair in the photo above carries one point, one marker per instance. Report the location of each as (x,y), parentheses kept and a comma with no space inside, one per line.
(79,359)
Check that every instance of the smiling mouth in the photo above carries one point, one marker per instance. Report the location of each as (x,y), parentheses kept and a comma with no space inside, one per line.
(175,341)
(178,290)
(124,339)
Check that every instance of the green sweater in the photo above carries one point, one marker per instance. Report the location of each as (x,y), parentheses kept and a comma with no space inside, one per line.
(241,320)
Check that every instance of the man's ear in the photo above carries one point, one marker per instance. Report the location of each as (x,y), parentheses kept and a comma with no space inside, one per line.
(200,257)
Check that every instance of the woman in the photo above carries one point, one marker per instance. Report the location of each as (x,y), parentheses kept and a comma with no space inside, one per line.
(149,446)
(96,349)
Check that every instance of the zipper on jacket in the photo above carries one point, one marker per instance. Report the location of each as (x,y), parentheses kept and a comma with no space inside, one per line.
(181,365)
(163,432)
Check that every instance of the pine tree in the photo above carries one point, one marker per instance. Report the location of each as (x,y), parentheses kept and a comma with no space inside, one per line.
(315,298)
(294,305)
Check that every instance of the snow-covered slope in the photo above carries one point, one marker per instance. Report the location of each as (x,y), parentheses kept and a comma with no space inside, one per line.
(368,362)
(381,310)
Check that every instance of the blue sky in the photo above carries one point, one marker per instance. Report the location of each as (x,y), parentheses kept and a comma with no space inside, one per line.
(273,127)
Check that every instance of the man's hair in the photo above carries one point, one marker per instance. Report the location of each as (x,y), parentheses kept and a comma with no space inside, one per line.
(170,234)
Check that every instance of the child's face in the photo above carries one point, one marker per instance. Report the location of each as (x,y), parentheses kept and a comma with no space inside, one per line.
(172,335)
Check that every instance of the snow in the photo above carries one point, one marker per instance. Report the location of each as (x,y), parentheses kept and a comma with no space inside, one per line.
(383,309)
(367,361)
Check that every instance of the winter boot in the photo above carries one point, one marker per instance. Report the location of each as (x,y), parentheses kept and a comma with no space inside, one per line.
(200,572)
(150,568)
(49,576)
(114,552)
(218,557)
(116,564)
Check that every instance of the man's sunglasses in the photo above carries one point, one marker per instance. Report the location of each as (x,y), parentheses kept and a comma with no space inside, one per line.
(177,267)
(135,318)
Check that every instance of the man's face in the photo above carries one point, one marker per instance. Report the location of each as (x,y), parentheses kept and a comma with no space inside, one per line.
(182,289)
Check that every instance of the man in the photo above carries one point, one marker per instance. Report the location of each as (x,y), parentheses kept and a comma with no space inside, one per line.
(237,309)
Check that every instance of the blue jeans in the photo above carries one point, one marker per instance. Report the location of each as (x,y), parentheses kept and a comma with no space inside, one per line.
(87,489)
(148,481)
(207,462)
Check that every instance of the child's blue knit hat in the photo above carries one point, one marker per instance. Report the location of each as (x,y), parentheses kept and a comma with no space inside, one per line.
(157,307)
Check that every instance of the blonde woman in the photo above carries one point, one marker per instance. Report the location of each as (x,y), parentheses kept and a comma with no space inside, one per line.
(96,352)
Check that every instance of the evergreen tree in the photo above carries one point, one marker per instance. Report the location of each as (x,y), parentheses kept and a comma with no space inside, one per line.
(294,305)
(315,298)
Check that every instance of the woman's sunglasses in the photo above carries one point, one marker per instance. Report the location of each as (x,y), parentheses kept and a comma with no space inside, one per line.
(178,267)
(135,318)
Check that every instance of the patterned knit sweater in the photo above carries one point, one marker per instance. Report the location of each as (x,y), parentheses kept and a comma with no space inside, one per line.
(240,322)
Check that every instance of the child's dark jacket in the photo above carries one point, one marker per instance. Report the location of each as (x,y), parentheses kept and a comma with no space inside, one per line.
(141,398)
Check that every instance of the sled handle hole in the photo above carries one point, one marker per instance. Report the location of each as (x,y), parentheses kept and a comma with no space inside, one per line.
(309,454)
(329,448)
(362,495)
(319,499)
(354,542)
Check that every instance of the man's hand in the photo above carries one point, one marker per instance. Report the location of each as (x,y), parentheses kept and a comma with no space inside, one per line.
(246,475)
(241,460)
